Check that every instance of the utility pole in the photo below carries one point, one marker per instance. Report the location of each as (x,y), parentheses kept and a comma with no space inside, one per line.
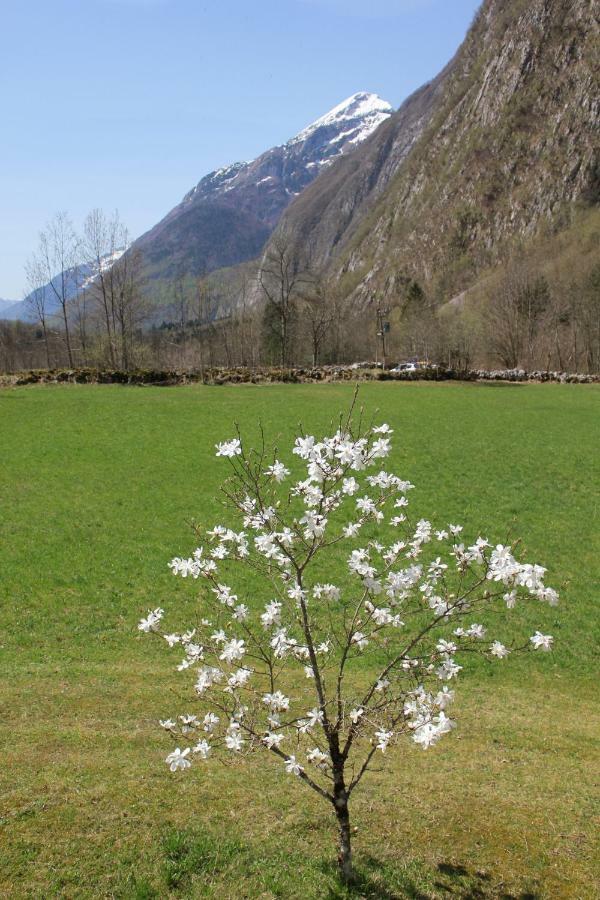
(383,327)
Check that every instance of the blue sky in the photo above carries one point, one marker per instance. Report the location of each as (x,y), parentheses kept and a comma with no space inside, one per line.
(128,103)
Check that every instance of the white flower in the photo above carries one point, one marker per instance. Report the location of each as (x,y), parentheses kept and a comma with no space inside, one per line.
(360,640)
(303,446)
(276,701)
(292,767)
(382,684)
(238,679)
(444,697)
(428,733)
(308,672)
(167,724)
(350,486)
(219,637)
(328,591)
(548,595)
(277,471)
(314,717)
(188,723)
(150,623)
(446,646)
(224,595)
(234,741)
(172,639)
(241,612)
(178,759)
(383,429)
(272,740)
(207,676)
(476,631)
(202,748)
(317,757)
(448,669)
(542,641)
(351,529)
(383,739)
(229,448)
(272,614)
(356,714)
(232,650)
(210,722)
(499,650)
(380,448)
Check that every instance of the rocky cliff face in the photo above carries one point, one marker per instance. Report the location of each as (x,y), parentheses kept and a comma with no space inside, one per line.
(227,218)
(506,144)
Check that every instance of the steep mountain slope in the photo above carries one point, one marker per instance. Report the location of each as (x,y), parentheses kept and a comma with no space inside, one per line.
(227,218)
(511,143)
(328,209)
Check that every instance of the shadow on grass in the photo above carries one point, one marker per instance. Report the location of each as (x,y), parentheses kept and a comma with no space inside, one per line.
(375,878)
(197,863)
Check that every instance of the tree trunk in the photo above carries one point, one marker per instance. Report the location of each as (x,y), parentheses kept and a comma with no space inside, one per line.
(67,335)
(345,850)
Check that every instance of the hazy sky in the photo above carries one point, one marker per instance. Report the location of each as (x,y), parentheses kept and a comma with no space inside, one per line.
(128,103)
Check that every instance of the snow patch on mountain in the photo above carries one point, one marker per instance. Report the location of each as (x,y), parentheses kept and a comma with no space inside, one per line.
(346,125)
(369,108)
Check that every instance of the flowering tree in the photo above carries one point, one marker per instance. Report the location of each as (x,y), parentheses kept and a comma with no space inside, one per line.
(328,676)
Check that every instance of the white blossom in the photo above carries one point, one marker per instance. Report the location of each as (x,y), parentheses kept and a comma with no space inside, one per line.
(178,759)
(277,701)
(232,650)
(167,724)
(202,748)
(210,722)
(277,471)
(317,757)
(229,448)
(152,621)
(383,739)
(272,739)
(542,641)
(292,767)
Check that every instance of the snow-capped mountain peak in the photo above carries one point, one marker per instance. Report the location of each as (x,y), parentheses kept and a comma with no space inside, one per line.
(229,215)
(369,108)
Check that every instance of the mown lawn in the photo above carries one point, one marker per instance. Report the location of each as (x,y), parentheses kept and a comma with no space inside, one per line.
(97,485)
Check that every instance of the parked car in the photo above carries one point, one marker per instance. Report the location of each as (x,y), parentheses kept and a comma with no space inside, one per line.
(404,367)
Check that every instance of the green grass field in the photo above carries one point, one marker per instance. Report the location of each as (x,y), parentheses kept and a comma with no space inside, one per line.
(97,485)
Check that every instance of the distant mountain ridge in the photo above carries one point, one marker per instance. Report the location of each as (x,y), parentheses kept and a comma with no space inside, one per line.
(229,215)
(77,279)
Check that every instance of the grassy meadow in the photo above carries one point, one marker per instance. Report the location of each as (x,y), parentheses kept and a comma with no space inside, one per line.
(97,487)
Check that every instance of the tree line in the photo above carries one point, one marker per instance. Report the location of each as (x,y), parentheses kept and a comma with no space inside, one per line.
(91,305)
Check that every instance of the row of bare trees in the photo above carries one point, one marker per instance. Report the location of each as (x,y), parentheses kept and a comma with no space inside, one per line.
(90,307)
(85,292)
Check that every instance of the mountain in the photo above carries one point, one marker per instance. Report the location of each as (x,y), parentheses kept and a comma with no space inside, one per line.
(228,217)
(77,279)
(502,144)
(5,304)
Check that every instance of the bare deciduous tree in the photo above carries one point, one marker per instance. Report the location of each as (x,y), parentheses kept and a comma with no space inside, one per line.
(58,258)
(281,277)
